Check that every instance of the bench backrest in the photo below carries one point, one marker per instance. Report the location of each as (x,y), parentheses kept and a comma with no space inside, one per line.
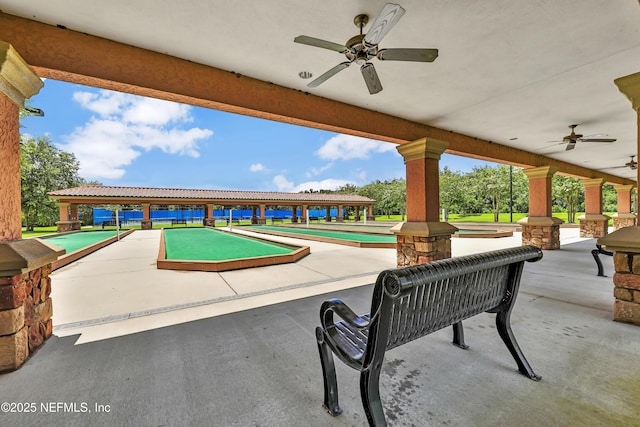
(411,302)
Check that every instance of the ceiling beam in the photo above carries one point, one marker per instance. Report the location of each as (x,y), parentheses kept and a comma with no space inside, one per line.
(75,57)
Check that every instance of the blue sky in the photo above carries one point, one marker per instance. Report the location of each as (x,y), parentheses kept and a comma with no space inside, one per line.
(126,140)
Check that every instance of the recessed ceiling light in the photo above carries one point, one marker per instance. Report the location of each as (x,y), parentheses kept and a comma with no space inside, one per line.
(305,74)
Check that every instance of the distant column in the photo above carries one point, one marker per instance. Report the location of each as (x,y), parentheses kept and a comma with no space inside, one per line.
(209,220)
(146,223)
(356,218)
(624,217)
(327,216)
(593,223)
(262,219)
(294,214)
(340,217)
(540,228)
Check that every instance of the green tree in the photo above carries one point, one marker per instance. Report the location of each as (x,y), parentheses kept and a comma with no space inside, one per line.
(44,168)
(568,194)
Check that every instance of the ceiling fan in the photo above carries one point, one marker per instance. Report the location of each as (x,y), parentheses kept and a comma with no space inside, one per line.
(572,138)
(363,47)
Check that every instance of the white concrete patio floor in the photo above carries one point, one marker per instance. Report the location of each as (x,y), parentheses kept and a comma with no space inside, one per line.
(118,290)
(187,349)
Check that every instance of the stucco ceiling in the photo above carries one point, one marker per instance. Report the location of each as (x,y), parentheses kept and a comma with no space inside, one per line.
(516,73)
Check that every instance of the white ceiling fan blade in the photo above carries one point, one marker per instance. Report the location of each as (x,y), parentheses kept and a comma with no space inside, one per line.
(384,22)
(312,41)
(326,76)
(371,78)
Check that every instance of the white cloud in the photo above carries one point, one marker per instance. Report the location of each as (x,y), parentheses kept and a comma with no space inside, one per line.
(257,167)
(282,184)
(318,171)
(125,126)
(346,147)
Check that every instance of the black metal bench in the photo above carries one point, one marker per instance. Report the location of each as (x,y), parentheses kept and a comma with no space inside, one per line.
(411,302)
(178,221)
(596,255)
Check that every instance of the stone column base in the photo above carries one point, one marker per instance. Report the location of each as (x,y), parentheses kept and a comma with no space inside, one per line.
(209,222)
(294,220)
(261,221)
(65,226)
(420,242)
(25,305)
(541,231)
(626,280)
(373,218)
(146,224)
(339,219)
(621,220)
(594,226)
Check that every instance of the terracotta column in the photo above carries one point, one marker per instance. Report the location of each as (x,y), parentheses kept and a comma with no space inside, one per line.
(262,219)
(593,223)
(624,217)
(25,305)
(68,222)
(356,218)
(340,217)
(422,238)
(146,223)
(294,214)
(305,209)
(540,228)
(371,217)
(209,220)
(327,216)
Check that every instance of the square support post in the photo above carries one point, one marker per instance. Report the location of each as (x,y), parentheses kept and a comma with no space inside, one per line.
(540,228)
(593,224)
(146,223)
(422,238)
(624,217)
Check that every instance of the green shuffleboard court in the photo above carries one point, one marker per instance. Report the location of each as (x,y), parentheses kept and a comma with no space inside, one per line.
(204,244)
(74,241)
(339,235)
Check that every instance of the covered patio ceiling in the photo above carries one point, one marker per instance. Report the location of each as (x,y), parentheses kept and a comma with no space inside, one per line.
(510,76)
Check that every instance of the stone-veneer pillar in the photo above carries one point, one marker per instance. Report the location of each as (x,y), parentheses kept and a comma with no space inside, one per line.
(624,217)
(625,243)
(422,238)
(25,306)
(540,228)
(593,224)
(294,214)
(209,220)
(146,223)
(68,220)
(340,217)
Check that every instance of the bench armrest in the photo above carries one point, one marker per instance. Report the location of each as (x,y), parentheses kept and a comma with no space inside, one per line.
(343,311)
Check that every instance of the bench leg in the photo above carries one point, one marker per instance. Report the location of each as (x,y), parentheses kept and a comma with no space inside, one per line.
(458,336)
(370,394)
(328,376)
(503,323)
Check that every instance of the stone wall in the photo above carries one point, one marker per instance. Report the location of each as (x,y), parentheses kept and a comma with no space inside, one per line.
(593,228)
(542,236)
(66,226)
(620,222)
(412,250)
(626,280)
(146,224)
(25,315)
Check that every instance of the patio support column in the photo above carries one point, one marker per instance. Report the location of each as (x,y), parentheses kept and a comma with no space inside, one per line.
(209,220)
(540,228)
(67,221)
(327,216)
(422,238)
(262,219)
(371,217)
(624,217)
(356,217)
(146,223)
(625,242)
(305,209)
(339,216)
(294,214)
(25,305)
(593,223)
(254,216)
